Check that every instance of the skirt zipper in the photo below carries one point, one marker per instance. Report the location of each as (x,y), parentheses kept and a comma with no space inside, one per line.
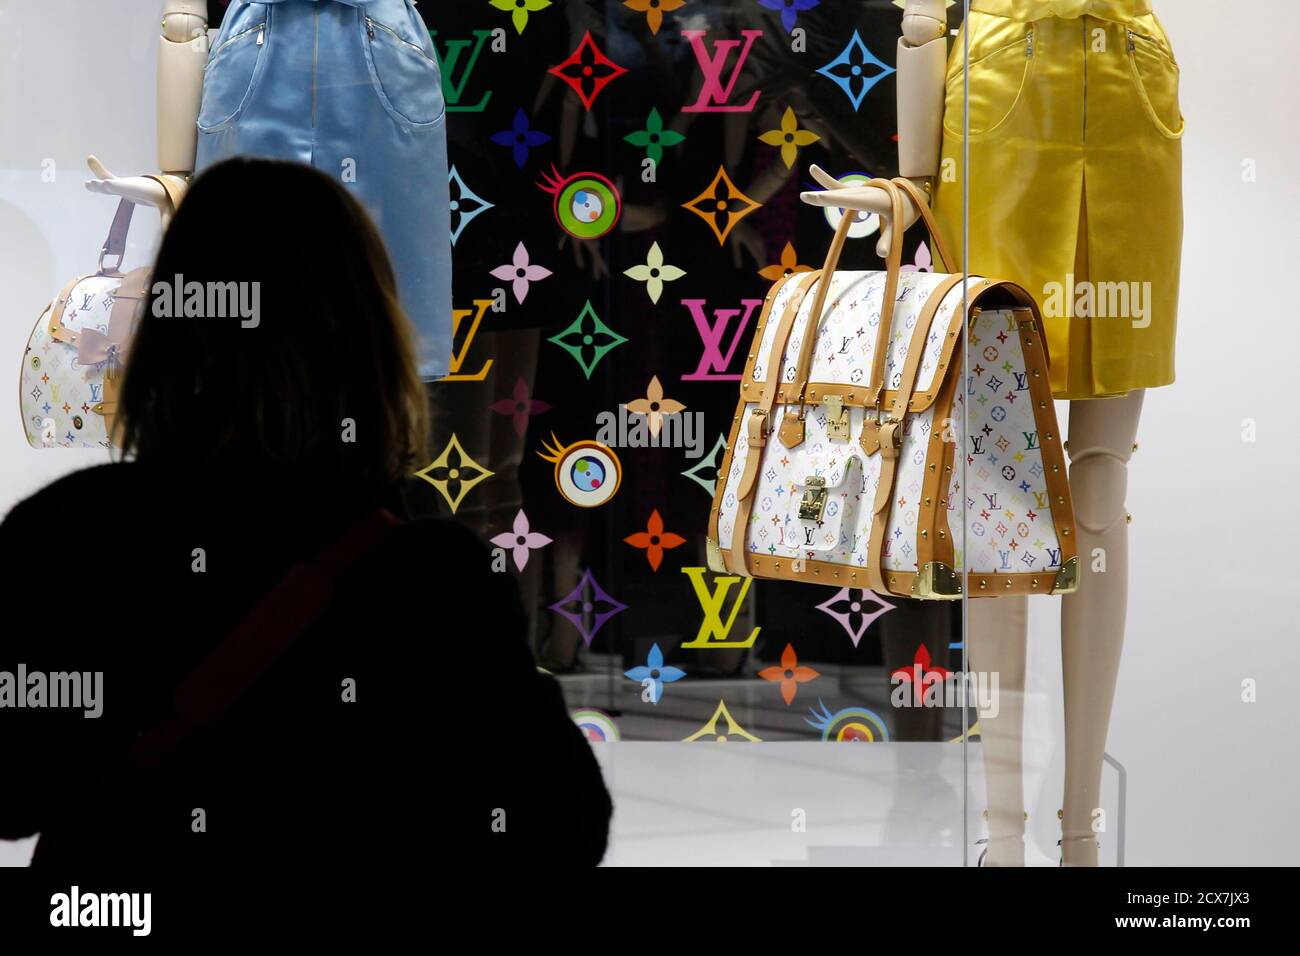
(260,30)
(370,31)
(1085,79)
(315,43)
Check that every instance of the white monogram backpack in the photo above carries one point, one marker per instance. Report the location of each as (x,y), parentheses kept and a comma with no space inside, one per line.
(844,461)
(67,388)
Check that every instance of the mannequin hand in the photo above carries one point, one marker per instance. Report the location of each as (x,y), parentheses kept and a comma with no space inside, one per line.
(867,199)
(139,189)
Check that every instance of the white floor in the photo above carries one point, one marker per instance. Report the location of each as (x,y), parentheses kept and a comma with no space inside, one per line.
(735,804)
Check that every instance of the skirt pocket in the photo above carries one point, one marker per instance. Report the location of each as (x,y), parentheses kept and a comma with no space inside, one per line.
(405,76)
(997,82)
(231,75)
(1155,74)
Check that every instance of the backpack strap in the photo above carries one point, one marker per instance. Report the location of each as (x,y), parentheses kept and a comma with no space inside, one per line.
(260,638)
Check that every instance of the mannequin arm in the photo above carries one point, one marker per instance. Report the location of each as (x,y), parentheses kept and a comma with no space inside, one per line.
(182,56)
(922,58)
(922,63)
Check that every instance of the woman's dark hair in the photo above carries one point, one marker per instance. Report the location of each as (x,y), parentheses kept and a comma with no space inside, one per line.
(291,352)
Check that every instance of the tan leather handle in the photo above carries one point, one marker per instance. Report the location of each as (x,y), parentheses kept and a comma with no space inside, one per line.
(931,224)
(893,265)
(174,193)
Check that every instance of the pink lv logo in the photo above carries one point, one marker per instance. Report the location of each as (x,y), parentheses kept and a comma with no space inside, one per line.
(713,364)
(714,95)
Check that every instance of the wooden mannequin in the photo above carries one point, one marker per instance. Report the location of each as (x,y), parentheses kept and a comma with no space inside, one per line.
(182,55)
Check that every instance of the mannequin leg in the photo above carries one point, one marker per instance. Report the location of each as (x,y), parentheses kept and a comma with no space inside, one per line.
(1092,619)
(997,629)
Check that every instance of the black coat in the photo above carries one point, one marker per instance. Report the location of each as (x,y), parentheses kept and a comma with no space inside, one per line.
(450,711)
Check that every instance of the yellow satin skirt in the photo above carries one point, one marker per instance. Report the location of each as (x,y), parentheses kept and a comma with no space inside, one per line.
(1075,180)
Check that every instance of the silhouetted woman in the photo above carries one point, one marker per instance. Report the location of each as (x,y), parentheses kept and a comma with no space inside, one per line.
(291,674)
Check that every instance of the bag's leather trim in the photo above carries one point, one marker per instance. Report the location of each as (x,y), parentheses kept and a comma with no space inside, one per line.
(933,512)
(896,426)
(897,583)
(716,559)
(56,329)
(759,429)
(1033,342)
(859,395)
(938,545)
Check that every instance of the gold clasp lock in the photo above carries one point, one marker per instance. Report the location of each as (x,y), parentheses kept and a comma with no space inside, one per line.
(837,418)
(813,504)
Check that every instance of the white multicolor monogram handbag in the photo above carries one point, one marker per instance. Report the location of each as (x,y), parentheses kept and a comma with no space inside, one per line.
(841,466)
(67,389)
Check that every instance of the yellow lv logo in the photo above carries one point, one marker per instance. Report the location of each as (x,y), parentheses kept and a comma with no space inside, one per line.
(458,357)
(713,630)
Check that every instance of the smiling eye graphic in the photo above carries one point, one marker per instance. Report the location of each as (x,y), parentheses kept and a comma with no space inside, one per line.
(587,205)
(587,473)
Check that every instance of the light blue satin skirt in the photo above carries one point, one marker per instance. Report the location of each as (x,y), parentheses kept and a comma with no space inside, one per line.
(352,88)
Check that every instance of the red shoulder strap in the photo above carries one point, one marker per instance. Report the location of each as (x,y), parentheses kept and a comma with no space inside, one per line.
(260,638)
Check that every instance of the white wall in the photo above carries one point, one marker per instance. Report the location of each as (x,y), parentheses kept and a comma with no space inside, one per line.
(1214,593)
(1212,780)
(75,78)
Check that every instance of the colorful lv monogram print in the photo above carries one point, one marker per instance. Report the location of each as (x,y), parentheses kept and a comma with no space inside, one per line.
(722,205)
(715,94)
(714,362)
(453,85)
(714,630)
(587,70)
